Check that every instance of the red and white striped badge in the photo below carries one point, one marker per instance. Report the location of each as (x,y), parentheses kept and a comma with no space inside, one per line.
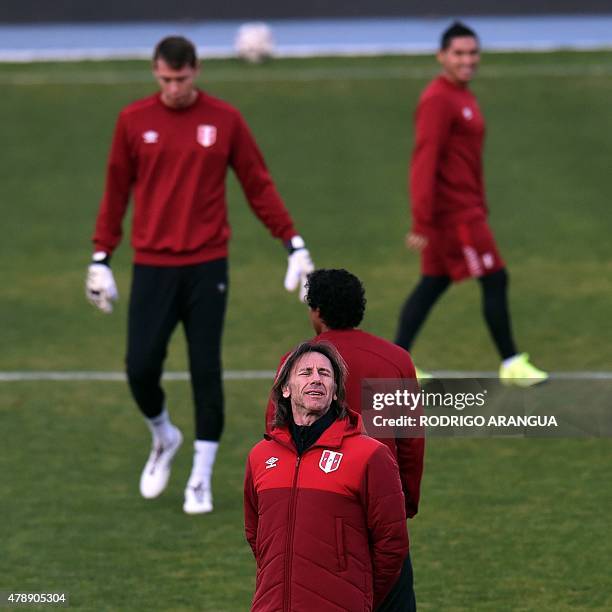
(330,461)
(473,262)
(207,135)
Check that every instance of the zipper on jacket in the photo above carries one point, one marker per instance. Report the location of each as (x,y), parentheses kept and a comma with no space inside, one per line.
(289,547)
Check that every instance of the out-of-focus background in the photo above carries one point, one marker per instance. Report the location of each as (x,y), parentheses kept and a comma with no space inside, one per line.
(504,523)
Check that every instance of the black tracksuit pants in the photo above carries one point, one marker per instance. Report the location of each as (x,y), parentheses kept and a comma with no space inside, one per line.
(195,295)
(494,309)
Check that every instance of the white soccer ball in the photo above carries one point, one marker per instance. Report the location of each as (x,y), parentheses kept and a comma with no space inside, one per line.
(254,42)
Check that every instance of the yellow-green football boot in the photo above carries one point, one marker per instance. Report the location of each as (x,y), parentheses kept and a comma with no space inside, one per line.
(518,372)
(423,376)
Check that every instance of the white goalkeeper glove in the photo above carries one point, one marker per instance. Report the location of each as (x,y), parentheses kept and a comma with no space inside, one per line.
(100,287)
(299,267)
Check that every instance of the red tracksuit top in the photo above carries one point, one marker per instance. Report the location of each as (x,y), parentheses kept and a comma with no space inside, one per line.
(446,173)
(328,529)
(368,356)
(176,161)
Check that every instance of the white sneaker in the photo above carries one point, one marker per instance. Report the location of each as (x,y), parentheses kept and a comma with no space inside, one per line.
(198,500)
(156,472)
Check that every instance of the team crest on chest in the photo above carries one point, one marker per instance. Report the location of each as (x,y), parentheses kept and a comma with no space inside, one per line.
(468,113)
(207,135)
(150,137)
(330,461)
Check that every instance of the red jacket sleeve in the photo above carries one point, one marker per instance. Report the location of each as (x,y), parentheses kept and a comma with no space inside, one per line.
(120,175)
(410,453)
(260,191)
(386,521)
(432,124)
(251,516)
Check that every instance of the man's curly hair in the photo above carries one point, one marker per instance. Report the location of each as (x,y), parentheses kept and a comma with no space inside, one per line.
(339,296)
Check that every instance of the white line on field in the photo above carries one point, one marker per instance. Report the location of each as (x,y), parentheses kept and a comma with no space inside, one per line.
(296,74)
(553,375)
(74,376)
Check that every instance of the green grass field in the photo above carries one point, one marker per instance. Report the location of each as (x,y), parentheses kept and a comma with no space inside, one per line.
(517,524)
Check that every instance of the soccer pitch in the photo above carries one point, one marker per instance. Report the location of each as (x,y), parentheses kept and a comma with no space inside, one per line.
(504,523)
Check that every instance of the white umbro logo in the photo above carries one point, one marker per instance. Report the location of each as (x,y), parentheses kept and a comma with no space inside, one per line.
(271,462)
(150,137)
(468,113)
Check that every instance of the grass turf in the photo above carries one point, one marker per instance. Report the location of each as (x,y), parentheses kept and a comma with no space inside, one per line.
(503,523)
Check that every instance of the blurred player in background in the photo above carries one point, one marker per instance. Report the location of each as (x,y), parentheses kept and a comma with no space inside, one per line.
(449,210)
(336,299)
(172,150)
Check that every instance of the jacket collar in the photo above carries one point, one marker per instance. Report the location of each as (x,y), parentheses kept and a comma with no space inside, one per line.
(332,437)
(304,436)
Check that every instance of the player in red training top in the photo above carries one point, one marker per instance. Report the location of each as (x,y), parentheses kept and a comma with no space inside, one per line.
(336,299)
(172,150)
(449,210)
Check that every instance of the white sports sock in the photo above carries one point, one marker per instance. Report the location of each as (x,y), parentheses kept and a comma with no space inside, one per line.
(204,456)
(161,427)
(507,362)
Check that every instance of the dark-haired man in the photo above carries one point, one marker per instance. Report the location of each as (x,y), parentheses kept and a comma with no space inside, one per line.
(172,150)
(323,503)
(336,300)
(449,210)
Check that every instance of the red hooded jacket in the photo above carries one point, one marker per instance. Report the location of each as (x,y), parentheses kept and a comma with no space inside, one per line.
(328,528)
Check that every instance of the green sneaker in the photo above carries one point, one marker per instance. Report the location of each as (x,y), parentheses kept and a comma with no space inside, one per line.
(520,373)
(422,376)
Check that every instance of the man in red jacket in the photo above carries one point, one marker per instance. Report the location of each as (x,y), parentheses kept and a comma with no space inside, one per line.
(172,150)
(324,509)
(449,211)
(336,300)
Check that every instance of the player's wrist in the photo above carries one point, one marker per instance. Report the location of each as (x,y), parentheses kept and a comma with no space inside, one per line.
(294,244)
(101,257)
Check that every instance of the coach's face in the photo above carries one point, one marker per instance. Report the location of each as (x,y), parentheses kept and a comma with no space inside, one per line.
(311,387)
(460,60)
(177,85)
